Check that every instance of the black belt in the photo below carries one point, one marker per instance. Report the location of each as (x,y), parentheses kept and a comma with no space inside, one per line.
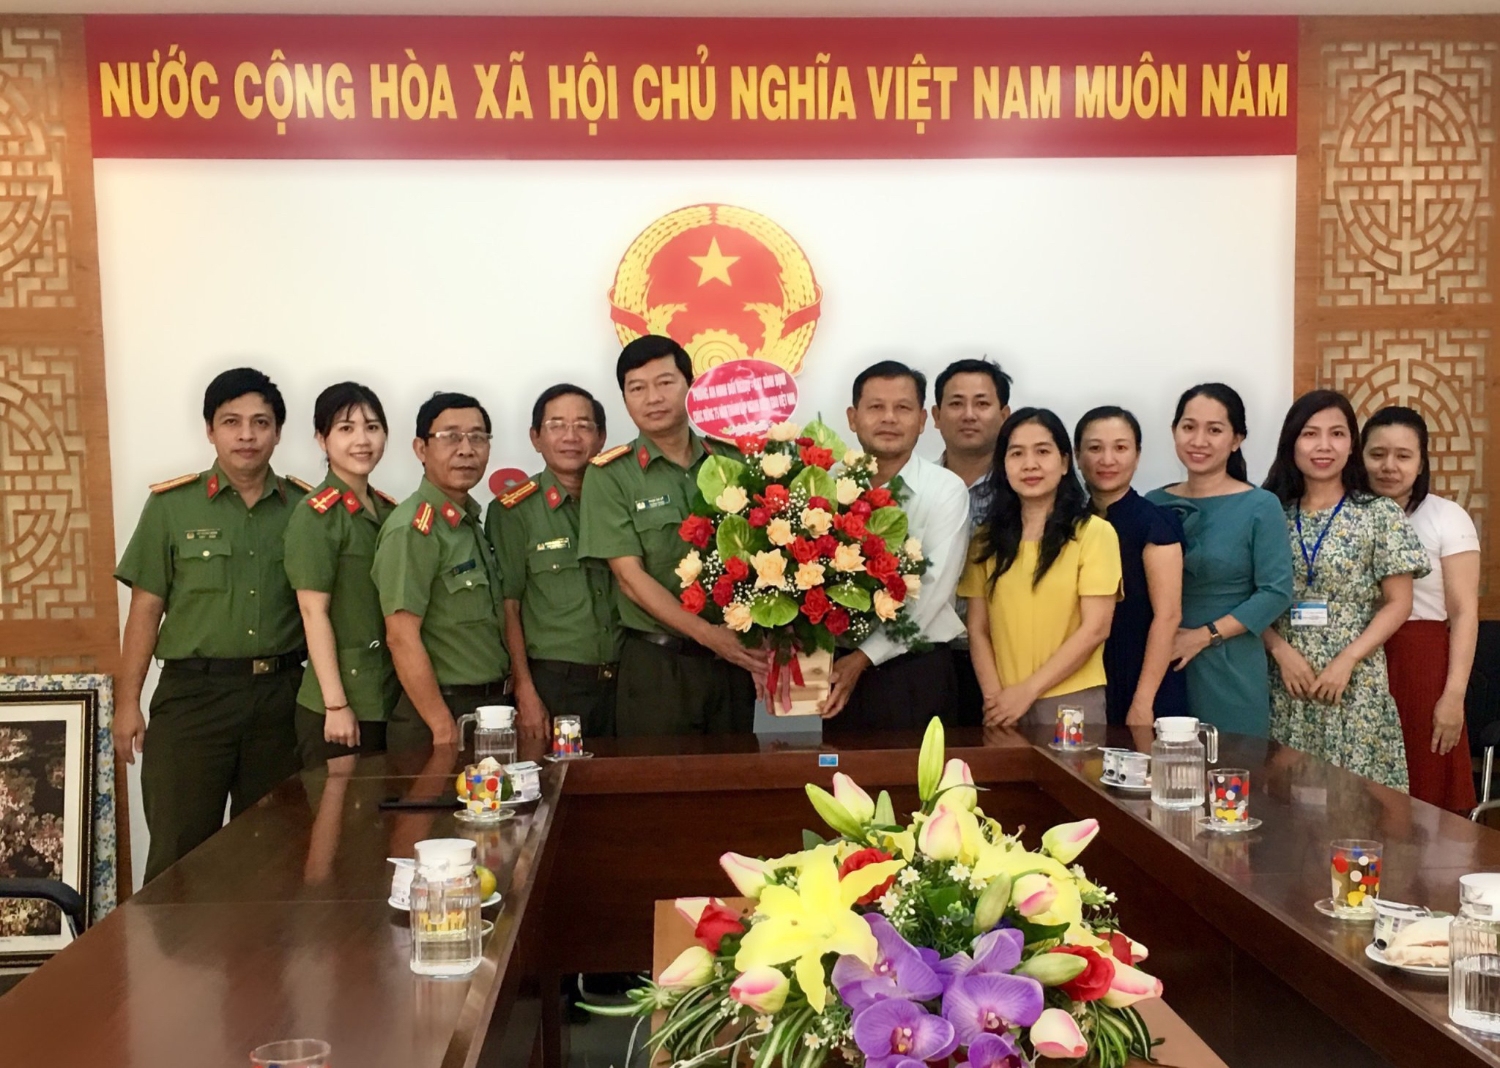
(569,670)
(498,688)
(258,665)
(672,642)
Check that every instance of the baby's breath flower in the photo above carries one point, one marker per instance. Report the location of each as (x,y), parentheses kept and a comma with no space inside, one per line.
(764,1024)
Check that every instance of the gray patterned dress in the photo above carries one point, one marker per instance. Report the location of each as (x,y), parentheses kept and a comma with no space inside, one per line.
(1367,541)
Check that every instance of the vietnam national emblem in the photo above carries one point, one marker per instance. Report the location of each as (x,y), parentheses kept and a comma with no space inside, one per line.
(724,282)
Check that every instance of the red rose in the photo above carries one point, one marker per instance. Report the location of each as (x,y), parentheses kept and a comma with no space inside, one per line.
(820,502)
(737,569)
(872,546)
(851,524)
(837,621)
(896,587)
(827,544)
(813,456)
(802,550)
(862,508)
(883,565)
(751,445)
(775,497)
(1093,982)
(862,858)
(696,529)
(880,497)
(723,591)
(816,605)
(716,922)
(804,442)
(758,517)
(694,599)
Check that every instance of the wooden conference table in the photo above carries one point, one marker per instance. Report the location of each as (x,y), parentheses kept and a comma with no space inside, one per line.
(278,926)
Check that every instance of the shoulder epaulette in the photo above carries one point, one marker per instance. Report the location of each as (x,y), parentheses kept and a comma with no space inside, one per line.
(173,483)
(321,502)
(519,494)
(609,456)
(386,497)
(423,519)
(294,480)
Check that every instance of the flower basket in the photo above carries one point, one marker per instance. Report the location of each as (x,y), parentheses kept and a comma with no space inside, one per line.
(815,670)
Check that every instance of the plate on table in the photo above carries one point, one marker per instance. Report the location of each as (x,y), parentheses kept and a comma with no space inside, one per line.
(1126,788)
(493,899)
(560,758)
(1430,970)
(517,802)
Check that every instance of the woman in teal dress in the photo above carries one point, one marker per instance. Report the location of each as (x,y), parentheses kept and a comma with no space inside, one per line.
(1236,569)
(1355,556)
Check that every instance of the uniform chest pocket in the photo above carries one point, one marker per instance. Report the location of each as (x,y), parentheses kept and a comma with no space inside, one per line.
(552,559)
(657,528)
(468,589)
(202,565)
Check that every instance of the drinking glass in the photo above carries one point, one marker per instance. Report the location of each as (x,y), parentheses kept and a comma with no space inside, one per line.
(567,736)
(292,1053)
(1068,734)
(1355,871)
(1228,796)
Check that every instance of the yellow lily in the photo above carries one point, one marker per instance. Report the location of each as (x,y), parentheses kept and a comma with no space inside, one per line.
(814,919)
(1066,907)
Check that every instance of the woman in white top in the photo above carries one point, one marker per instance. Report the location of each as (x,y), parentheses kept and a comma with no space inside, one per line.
(1430,657)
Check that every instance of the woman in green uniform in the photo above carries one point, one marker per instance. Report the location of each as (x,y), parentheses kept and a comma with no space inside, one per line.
(349,686)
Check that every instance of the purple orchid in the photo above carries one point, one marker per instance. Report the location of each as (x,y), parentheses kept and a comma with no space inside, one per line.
(900,971)
(892,1032)
(980,1004)
(995,1051)
(995,953)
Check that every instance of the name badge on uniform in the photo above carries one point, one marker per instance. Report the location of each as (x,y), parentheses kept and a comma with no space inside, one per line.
(1310,614)
(202,535)
(652,502)
(555,543)
(467,565)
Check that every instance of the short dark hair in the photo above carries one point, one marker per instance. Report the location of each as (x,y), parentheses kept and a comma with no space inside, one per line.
(1400,415)
(890,369)
(439,403)
(650,347)
(564,389)
(1285,478)
(982,366)
(1106,411)
(344,397)
(230,384)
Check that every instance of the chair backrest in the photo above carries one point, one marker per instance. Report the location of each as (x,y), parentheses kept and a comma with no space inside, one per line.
(62,895)
(1487,814)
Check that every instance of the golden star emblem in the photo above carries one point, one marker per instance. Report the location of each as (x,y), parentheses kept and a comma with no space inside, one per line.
(714,265)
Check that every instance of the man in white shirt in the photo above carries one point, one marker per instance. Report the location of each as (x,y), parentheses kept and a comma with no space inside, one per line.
(882,685)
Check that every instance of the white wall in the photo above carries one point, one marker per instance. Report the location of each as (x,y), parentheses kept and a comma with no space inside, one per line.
(1092,281)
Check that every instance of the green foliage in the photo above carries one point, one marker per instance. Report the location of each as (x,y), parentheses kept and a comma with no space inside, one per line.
(824,437)
(890,524)
(736,537)
(816,481)
(851,595)
(777,610)
(717,473)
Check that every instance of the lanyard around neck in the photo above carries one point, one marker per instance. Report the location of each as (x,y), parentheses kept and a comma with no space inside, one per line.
(1310,559)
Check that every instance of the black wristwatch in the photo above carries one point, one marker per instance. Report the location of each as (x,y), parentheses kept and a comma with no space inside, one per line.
(1215,639)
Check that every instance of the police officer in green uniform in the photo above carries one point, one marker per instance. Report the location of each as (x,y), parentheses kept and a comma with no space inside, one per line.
(679,674)
(209,597)
(562,625)
(349,686)
(439,582)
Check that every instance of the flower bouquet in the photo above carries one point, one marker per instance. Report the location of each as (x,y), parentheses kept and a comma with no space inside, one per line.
(798,553)
(894,946)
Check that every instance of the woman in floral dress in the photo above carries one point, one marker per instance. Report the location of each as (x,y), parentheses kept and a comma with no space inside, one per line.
(1354,556)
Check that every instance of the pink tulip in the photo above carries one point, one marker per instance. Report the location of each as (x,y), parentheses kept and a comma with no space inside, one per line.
(1033,894)
(762,989)
(693,967)
(1064,842)
(1056,1034)
(847,792)
(958,782)
(747,873)
(691,908)
(1129,986)
(941,837)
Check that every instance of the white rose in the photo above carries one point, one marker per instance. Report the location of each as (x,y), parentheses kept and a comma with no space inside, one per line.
(854,457)
(732,500)
(770,569)
(809,575)
(913,549)
(847,491)
(688,570)
(737,616)
(775,464)
(848,558)
(816,521)
(779,531)
(913,583)
(885,605)
(784,432)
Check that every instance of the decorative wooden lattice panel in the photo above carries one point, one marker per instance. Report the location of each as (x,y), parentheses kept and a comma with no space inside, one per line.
(57,600)
(1396,207)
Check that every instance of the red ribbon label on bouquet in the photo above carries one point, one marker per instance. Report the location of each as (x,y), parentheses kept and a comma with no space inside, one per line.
(741,397)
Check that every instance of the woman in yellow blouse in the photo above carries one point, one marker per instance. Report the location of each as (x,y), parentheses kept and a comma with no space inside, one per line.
(1042,581)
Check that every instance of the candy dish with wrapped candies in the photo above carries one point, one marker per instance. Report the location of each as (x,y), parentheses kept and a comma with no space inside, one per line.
(1418,948)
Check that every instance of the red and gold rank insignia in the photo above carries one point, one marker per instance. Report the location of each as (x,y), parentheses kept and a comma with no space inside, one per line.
(351,502)
(724,282)
(610,455)
(423,519)
(213,486)
(643,456)
(519,494)
(321,502)
(451,514)
(554,498)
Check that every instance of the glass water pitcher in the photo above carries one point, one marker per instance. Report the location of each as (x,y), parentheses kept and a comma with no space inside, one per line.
(445,919)
(1179,761)
(494,732)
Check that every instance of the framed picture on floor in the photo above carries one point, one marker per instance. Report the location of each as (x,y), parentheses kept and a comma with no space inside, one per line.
(47,794)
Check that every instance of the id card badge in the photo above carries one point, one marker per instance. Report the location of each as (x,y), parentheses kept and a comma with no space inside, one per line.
(1310,614)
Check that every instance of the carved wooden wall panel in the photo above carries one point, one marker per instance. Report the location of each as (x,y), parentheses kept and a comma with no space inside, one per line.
(57,599)
(1396,291)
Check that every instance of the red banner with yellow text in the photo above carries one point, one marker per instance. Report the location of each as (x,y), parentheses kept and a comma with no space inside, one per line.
(356,87)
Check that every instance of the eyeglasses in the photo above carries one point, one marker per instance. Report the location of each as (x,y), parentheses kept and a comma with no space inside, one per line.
(562,426)
(454,438)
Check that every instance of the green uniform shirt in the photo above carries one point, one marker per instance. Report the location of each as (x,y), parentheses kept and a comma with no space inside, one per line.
(331,548)
(633,502)
(433,560)
(568,608)
(218,565)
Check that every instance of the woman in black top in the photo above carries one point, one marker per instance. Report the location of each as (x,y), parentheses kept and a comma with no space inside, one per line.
(1137,656)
